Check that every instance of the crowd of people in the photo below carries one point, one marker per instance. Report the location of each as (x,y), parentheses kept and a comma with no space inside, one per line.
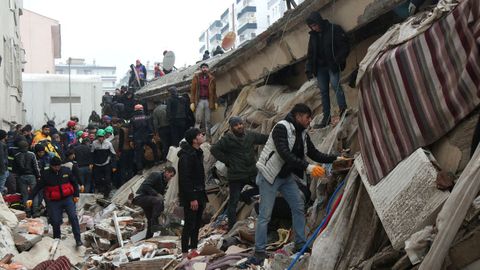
(56,164)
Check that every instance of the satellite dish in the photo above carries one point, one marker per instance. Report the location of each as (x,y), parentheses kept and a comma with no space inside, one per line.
(168,61)
(229,40)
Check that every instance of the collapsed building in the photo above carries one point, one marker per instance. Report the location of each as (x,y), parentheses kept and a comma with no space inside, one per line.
(408,197)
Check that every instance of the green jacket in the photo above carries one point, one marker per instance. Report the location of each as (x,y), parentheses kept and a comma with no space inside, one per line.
(238,154)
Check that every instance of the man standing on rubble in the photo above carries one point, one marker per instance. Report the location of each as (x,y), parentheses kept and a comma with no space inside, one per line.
(236,150)
(141,133)
(191,188)
(150,197)
(327,53)
(176,115)
(281,161)
(61,193)
(203,96)
(104,161)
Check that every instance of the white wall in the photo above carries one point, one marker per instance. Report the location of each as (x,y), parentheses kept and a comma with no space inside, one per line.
(39,41)
(40,88)
(11,107)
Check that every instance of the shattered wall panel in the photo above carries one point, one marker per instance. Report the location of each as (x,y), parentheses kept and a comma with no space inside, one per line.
(407,199)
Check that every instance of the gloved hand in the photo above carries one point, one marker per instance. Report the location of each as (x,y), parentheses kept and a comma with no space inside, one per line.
(309,75)
(192,107)
(75,199)
(29,203)
(82,188)
(412,9)
(315,170)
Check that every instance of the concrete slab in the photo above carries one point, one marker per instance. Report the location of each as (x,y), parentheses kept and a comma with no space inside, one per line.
(7,217)
(407,199)
(40,252)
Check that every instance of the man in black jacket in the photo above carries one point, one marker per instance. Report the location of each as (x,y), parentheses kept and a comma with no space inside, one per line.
(176,115)
(236,150)
(150,197)
(83,156)
(141,133)
(191,187)
(328,49)
(61,193)
(28,171)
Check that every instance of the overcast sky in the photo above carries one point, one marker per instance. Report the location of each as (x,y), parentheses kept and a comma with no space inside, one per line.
(116,32)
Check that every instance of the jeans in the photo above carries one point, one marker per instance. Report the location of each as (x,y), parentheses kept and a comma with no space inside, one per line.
(152,207)
(202,115)
(193,221)
(268,192)
(55,214)
(25,182)
(86,178)
(324,78)
(3,180)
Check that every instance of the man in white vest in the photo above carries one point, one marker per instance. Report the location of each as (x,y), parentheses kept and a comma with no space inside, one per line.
(283,157)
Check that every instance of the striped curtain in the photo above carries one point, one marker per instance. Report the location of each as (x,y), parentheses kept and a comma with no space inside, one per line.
(417,92)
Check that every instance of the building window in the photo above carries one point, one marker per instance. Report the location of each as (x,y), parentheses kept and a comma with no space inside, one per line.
(252,35)
(57,100)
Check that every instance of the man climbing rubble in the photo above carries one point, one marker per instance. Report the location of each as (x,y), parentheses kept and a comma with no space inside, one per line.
(237,150)
(191,183)
(61,193)
(150,197)
(328,49)
(281,161)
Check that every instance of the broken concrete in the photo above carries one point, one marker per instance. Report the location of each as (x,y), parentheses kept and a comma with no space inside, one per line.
(7,244)
(407,199)
(7,217)
(41,252)
(25,241)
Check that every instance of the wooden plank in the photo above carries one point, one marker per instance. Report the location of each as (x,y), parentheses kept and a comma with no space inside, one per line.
(407,199)
(453,213)
(117,229)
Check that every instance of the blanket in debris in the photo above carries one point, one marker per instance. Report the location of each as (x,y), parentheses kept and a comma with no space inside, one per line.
(416,92)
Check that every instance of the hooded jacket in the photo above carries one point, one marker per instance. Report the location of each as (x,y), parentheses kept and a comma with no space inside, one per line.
(191,175)
(326,49)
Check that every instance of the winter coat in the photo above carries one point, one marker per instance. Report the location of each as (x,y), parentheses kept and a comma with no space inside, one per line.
(54,182)
(103,153)
(83,155)
(238,154)
(140,127)
(212,90)
(26,164)
(191,175)
(176,109)
(154,185)
(327,49)
(285,151)
(160,117)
